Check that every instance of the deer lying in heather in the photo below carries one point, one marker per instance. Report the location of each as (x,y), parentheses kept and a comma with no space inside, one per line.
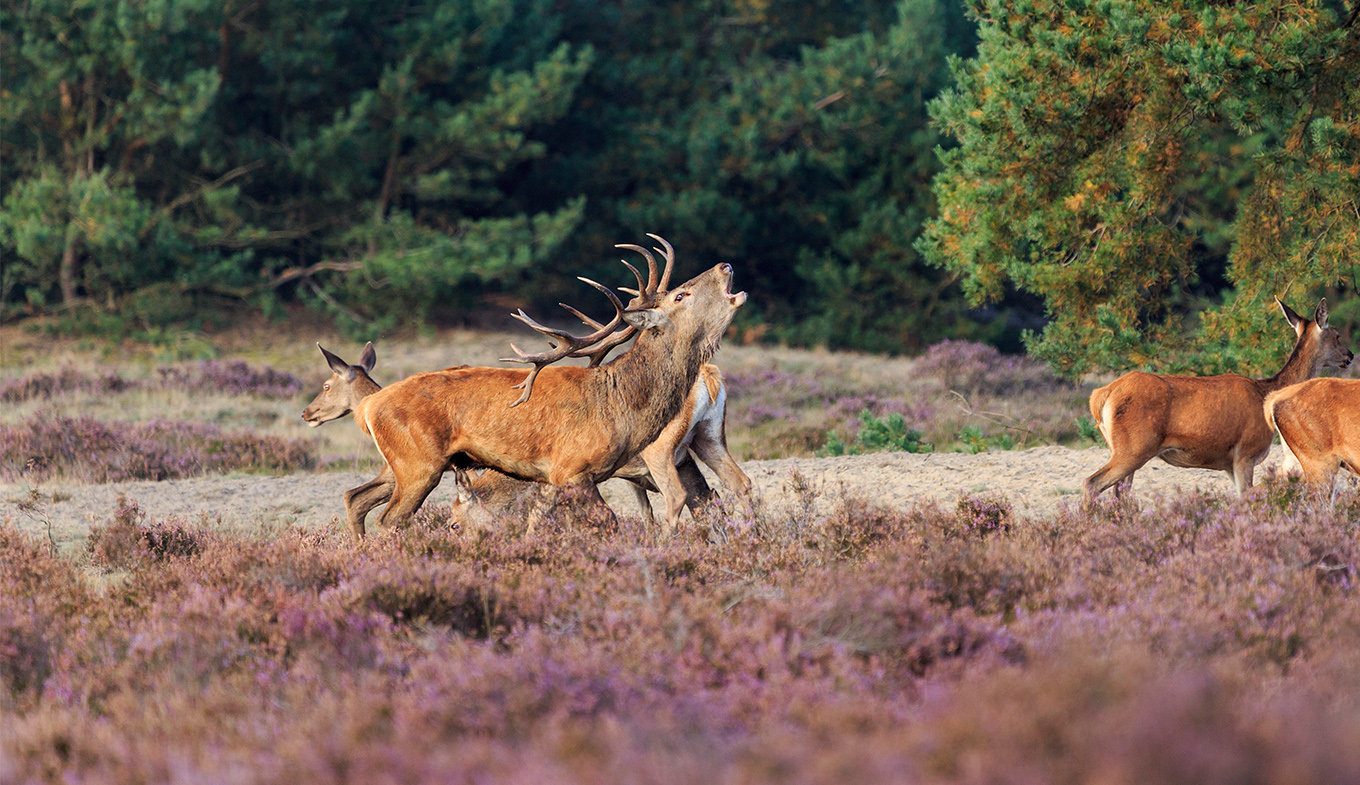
(1319,424)
(582,424)
(699,426)
(1203,422)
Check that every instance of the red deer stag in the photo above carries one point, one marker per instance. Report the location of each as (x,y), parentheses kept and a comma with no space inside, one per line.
(698,426)
(1203,422)
(1319,424)
(583,425)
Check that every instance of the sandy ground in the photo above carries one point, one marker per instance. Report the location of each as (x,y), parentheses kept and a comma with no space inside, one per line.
(1036,481)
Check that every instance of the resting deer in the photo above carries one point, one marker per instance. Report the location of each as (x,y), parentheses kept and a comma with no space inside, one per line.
(580,426)
(1203,422)
(698,426)
(1319,426)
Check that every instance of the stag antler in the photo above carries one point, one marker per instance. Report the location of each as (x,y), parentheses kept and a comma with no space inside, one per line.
(571,345)
(645,296)
(600,343)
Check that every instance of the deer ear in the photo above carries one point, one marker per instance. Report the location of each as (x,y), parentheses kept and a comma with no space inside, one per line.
(369,358)
(339,366)
(1289,314)
(646,319)
(1320,315)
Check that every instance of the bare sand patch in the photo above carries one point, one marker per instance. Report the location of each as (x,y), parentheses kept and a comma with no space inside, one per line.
(1037,481)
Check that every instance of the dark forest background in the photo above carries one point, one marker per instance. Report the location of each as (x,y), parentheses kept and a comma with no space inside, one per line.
(397,162)
(1130,171)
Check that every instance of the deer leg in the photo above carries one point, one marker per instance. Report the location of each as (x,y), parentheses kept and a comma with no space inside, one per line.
(359,501)
(713,452)
(1319,471)
(1127,455)
(697,490)
(667,478)
(413,485)
(548,498)
(1242,472)
(640,491)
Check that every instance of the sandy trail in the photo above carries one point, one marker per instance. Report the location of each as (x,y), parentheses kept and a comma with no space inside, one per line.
(1037,481)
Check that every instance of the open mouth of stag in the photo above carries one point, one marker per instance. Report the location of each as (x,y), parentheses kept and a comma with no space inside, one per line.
(737,299)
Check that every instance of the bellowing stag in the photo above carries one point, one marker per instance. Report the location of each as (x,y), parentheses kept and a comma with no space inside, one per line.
(698,426)
(572,426)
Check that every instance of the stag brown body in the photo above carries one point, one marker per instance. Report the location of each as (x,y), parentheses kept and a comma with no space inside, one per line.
(1319,424)
(1202,422)
(579,426)
(664,466)
(699,425)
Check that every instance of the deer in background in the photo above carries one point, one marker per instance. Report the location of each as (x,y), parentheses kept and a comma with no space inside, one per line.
(699,426)
(1203,422)
(581,426)
(1319,424)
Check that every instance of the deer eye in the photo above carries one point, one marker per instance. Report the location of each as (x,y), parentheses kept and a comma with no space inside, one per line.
(325,386)
(681,296)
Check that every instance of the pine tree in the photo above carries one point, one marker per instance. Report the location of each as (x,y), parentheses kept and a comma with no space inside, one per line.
(95,95)
(1111,153)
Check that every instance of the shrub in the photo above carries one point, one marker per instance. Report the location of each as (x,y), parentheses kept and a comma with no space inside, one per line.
(235,378)
(877,434)
(84,448)
(125,541)
(67,380)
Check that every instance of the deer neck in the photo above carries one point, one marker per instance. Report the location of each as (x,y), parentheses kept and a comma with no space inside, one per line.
(362,387)
(1301,366)
(649,382)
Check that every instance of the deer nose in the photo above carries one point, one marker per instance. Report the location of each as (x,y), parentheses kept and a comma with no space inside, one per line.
(725,268)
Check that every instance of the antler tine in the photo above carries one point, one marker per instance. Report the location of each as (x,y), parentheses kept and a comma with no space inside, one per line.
(571,345)
(650,288)
(641,286)
(669,253)
(589,322)
(602,350)
(598,354)
(613,299)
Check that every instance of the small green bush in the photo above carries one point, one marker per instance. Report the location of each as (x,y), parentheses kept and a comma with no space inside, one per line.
(888,433)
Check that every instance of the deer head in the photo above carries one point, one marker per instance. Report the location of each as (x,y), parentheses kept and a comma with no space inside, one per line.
(1318,345)
(695,313)
(348,385)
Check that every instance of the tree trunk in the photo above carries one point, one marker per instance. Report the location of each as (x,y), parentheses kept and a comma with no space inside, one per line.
(70,265)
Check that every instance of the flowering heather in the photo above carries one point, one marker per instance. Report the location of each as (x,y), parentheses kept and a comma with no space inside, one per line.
(973,368)
(208,376)
(67,380)
(236,378)
(958,395)
(1198,639)
(86,449)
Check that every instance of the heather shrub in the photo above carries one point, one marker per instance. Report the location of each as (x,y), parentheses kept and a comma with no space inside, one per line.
(973,368)
(889,617)
(209,376)
(67,380)
(981,515)
(971,574)
(234,378)
(25,652)
(956,396)
(855,525)
(83,448)
(428,592)
(836,640)
(127,539)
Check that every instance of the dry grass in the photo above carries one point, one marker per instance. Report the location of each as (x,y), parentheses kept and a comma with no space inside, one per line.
(783,402)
